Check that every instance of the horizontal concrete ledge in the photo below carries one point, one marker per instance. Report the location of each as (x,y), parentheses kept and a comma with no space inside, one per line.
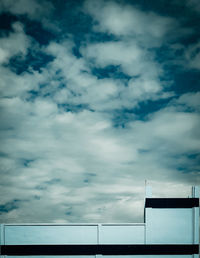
(21,250)
(171,202)
(73,224)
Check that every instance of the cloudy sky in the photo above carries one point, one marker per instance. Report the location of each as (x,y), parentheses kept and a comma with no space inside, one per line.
(97,97)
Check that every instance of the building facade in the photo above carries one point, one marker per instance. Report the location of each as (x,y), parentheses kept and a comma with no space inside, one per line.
(170,229)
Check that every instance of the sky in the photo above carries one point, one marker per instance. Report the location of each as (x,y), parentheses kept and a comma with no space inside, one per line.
(96,98)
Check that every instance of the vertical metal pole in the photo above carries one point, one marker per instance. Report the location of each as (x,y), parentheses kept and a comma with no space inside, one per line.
(98,238)
(195,194)
(99,234)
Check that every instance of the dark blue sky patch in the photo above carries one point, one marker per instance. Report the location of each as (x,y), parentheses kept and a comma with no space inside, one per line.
(194,36)
(6,21)
(61,85)
(122,117)
(68,213)
(165,54)
(184,80)
(35,30)
(194,156)
(9,206)
(27,162)
(73,108)
(32,95)
(72,20)
(184,163)
(96,37)
(180,79)
(111,71)
(38,60)
(76,52)
(148,107)
(34,60)
(32,28)
(188,169)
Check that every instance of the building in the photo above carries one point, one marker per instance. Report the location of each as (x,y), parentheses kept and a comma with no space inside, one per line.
(170,229)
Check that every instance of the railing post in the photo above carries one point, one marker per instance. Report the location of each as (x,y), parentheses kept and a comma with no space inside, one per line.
(195,194)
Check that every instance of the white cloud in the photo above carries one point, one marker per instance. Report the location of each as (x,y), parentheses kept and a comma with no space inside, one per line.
(143,88)
(190,100)
(170,131)
(126,20)
(127,55)
(134,61)
(16,43)
(59,146)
